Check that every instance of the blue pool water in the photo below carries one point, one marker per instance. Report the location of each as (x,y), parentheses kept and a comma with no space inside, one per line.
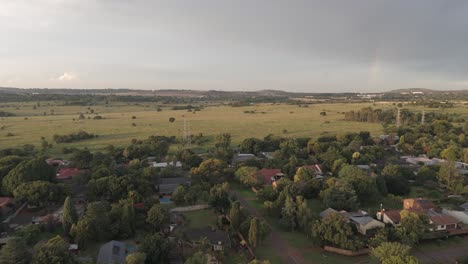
(164,200)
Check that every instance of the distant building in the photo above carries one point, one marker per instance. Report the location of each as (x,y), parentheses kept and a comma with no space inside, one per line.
(269,176)
(360,219)
(417,204)
(391,217)
(114,252)
(176,164)
(168,185)
(243,157)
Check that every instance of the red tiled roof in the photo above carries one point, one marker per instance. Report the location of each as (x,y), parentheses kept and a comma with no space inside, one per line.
(266,174)
(139,205)
(443,219)
(5,200)
(394,215)
(68,173)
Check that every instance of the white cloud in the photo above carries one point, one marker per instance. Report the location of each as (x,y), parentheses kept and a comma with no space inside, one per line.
(66,76)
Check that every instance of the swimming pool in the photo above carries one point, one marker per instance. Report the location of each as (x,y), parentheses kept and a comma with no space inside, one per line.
(165,200)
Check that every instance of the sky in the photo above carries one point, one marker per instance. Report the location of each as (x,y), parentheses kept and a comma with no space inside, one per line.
(291,45)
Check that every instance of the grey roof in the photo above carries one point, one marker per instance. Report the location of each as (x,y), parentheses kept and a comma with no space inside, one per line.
(243,157)
(464,206)
(326,212)
(113,252)
(168,185)
(214,236)
(362,220)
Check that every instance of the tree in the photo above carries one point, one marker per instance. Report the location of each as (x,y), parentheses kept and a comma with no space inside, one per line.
(15,251)
(136,258)
(29,233)
(395,182)
(178,196)
(364,185)
(340,197)
(122,218)
(394,253)
(254,232)
(70,216)
(235,216)
(248,176)
(210,170)
(27,171)
(82,232)
(334,230)
(223,141)
(39,193)
(55,251)
(411,228)
(303,213)
(288,213)
(197,258)
(219,197)
(156,249)
(157,216)
(449,176)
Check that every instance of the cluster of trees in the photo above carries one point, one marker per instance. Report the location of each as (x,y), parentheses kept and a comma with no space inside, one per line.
(76,136)
(154,146)
(6,114)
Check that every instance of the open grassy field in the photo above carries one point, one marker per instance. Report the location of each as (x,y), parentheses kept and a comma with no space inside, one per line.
(29,125)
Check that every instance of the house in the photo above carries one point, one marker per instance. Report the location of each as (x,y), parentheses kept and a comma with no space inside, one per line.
(422,160)
(315,169)
(114,252)
(461,216)
(364,223)
(238,158)
(442,221)
(268,155)
(217,239)
(417,204)
(168,185)
(360,219)
(6,205)
(269,176)
(69,173)
(391,217)
(176,164)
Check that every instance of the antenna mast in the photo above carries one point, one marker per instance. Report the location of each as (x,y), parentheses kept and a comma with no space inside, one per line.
(423,117)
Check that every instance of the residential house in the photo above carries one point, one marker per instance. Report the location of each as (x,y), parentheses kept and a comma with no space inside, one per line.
(217,239)
(114,252)
(391,217)
(69,173)
(442,221)
(176,164)
(6,205)
(461,216)
(417,204)
(268,155)
(360,219)
(269,176)
(166,186)
(242,157)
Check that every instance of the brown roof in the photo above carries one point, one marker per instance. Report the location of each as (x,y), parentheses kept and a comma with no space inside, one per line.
(441,219)
(5,201)
(394,215)
(266,174)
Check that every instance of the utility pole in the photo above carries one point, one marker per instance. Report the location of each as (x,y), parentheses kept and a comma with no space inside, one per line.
(187,134)
(398,118)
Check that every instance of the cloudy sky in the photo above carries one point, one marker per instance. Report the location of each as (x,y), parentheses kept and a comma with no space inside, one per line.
(311,46)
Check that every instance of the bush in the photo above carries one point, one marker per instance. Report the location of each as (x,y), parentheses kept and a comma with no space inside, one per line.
(77,136)
(171,119)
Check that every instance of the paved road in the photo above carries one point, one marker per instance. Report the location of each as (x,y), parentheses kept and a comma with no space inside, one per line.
(442,256)
(282,248)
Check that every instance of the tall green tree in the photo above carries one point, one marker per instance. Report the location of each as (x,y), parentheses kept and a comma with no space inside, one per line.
(197,258)
(450,177)
(27,171)
(157,216)
(248,176)
(235,216)
(254,232)
(412,227)
(15,251)
(156,248)
(70,216)
(336,231)
(394,253)
(219,197)
(55,251)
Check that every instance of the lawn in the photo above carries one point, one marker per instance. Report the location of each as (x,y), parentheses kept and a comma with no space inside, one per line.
(200,218)
(29,125)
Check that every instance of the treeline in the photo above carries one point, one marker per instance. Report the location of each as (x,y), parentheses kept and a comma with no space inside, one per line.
(77,136)
(371,115)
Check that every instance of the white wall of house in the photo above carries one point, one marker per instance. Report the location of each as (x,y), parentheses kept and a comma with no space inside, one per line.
(461,216)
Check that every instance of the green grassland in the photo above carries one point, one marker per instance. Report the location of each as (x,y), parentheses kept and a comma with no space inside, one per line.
(29,125)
